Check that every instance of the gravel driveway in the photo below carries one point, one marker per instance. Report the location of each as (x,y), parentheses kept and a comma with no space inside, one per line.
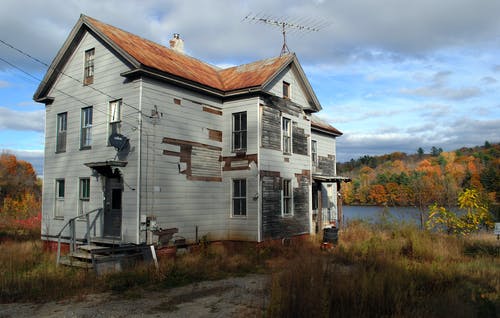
(233,297)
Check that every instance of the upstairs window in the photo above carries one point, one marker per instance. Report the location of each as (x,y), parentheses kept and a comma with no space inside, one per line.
(88,73)
(314,153)
(239,197)
(115,117)
(86,129)
(62,125)
(286,131)
(286,90)
(239,131)
(287,197)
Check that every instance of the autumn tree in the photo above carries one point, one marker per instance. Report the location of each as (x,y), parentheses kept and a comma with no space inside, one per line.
(16,177)
(476,215)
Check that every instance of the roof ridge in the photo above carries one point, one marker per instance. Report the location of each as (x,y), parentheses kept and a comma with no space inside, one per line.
(161,58)
(154,43)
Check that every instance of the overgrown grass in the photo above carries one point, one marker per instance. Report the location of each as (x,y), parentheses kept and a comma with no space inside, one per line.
(375,271)
(27,273)
(396,271)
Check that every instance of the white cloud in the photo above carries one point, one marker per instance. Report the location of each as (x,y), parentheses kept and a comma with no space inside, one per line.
(4,84)
(22,120)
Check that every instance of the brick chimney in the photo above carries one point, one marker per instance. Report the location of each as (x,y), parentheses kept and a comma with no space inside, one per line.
(177,44)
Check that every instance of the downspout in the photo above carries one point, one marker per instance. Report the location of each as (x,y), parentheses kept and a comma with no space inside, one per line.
(259,185)
(139,167)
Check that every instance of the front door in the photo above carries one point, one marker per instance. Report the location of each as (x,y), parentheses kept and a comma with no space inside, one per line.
(113,208)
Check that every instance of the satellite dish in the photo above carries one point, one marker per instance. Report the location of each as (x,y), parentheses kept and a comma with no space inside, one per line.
(118,141)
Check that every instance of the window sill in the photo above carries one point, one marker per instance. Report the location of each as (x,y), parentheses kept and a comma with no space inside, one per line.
(239,217)
(60,218)
(60,151)
(240,152)
(86,148)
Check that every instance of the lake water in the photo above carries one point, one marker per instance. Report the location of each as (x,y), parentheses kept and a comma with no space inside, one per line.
(375,213)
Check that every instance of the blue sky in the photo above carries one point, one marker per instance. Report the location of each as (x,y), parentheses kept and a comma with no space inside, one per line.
(392,75)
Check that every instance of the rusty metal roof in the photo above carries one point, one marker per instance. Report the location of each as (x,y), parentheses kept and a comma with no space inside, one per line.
(320,124)
(161,58)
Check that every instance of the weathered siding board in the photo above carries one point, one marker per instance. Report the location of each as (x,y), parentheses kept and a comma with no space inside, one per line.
(272,225)
(299,141)
(271,128)
(326,166)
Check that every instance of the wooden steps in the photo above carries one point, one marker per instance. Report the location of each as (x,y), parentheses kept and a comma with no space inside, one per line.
(104,255)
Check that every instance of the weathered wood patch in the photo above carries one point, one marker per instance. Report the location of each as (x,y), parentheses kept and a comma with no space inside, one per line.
(299,141)
(201,161)
(274,225)
(326,165)
(271,128)
(214,134)
(212,110)
(238,162)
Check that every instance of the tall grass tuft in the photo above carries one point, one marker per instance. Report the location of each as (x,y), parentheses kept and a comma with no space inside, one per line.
(396,271)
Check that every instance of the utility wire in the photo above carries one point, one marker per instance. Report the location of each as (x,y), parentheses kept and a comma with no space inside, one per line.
(62,73)
(66,94)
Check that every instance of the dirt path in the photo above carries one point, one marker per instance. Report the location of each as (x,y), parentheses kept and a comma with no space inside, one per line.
(232,297)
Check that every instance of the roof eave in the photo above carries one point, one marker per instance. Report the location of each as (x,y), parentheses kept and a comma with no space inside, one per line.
(325,131)
(156,74)
(82,25)
(316,106)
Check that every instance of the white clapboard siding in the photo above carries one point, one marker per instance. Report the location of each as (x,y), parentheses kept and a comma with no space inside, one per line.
(71,96)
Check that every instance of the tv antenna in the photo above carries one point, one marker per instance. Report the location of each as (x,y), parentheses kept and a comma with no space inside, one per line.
(286,26)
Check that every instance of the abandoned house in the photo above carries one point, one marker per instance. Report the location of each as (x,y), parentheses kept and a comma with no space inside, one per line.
(140,134)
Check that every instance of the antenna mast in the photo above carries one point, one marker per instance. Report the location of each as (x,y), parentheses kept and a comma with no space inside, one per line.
(284,25)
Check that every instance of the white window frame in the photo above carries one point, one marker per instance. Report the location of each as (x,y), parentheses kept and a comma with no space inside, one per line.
(88,69)
(286,90)
(86,127)
(314,153)
(83,194)
(286,135)
(239,197)
(115,116)
(286,197)
(239,133)
(62,132)
(59,198)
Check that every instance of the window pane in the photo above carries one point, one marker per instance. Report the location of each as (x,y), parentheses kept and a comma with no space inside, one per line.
(60,188)
(61,131)
(84,189)
(239,131)
(244,121)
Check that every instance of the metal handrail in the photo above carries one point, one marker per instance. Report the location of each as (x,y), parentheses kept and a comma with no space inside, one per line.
(72,228)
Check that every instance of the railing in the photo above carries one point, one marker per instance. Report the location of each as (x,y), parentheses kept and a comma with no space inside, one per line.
(72,231)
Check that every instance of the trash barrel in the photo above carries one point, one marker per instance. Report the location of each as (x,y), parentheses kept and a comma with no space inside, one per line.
(331,235)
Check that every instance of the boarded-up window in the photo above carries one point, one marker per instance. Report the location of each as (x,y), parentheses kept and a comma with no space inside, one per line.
(62,125)
(88,76)
(239,197)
